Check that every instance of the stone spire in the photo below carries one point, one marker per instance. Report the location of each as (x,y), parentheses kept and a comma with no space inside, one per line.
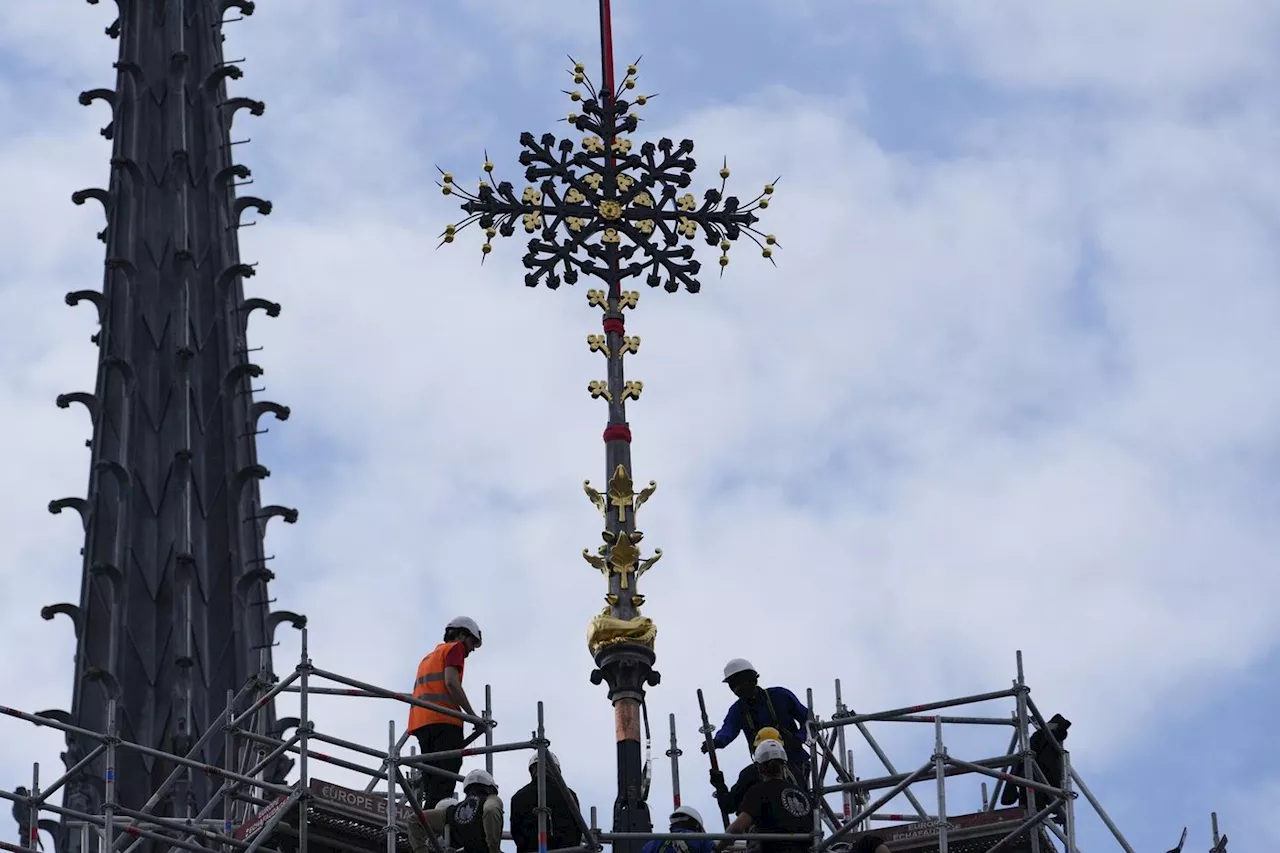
(174,606)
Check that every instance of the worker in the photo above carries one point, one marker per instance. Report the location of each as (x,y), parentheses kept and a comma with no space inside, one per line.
(683,819)
(22,817)
(562,803)
(750,774)
(1048,758)
(474,823)
(758,707)
(774,805)
(439,681)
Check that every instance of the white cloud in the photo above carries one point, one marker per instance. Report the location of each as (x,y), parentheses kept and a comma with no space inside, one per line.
(1138,48)
(1010,399)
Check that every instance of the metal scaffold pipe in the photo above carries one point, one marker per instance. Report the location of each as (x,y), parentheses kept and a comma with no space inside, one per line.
(674,754)
(897,713)
(940,766)
(540,741)
(392,828)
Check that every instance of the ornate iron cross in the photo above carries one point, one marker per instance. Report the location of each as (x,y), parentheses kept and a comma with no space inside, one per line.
(602,207)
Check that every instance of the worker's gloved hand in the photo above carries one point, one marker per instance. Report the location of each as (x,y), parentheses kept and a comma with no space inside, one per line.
(707,746)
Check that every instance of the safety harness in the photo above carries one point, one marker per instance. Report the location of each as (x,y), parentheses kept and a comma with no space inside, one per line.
(751,722)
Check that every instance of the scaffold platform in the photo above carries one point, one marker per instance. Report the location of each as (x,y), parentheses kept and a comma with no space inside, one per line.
(340,820)
(250,814)
(970,833)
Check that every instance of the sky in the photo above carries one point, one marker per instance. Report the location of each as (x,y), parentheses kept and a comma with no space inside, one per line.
(1010,386)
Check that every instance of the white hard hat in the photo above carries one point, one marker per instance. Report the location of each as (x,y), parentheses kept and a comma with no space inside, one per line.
(478,777)
(770,750)
(738,666)
(533,759)
(446,802)
(467,624)
(689,812)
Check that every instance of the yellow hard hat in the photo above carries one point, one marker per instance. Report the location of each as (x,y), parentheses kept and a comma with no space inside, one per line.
(767,733)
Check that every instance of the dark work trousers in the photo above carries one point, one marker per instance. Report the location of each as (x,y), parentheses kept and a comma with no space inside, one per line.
(439,737)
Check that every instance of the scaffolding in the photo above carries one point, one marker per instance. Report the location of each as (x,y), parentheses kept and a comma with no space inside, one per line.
(313,815)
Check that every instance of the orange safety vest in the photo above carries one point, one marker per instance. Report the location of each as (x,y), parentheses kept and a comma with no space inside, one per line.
(429,687)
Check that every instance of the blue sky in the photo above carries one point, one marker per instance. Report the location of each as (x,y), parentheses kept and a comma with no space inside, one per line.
(1009,387)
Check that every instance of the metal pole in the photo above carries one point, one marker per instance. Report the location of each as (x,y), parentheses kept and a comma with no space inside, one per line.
(263,763)
(1102,813)
(373,780)
(855,798)
(411,799)
(1027,825)
(375,690)
(159,793)
(674,754)
(33,808)
(488,730)
(541,740)
(888,765)
(1213,821)
(1024,742)
(1013,744)
(183,826)
(940,767)
(955,767)
(1057,832)
(846,797)
(828,758)
(296,798)
(392,750)
(951,718)
(72,771)
(92,820)
(109,793)
(228,756)
(334,691)
(985,799)
(1070,802)
(971,767)
(417,761)
(916,709)
(304,730)
(348,765)
(815,783)
(764,837)
(265,699)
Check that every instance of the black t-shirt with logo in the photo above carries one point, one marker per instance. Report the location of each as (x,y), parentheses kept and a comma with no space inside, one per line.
(777,805)
(466,829)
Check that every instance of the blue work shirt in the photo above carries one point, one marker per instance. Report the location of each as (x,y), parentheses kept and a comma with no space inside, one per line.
(694,845)
(792,715)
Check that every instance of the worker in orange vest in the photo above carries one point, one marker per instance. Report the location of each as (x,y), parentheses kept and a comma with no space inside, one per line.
(439,682)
